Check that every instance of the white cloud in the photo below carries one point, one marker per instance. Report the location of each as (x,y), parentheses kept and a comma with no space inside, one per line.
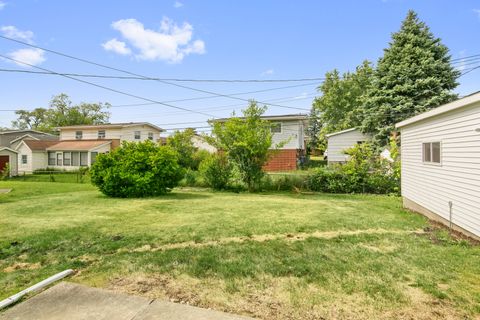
(31,56)
(177,4)
(14,33)
(2,5)
(477,11)
(116,46)
(170,43)
(268,72)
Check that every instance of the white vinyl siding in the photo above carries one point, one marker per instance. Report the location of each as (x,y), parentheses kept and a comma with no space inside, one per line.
(337,144)
(35,159)
(456,178)
(123,134)
(291,132)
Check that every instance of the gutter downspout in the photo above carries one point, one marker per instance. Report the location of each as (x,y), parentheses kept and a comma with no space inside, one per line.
(12,299)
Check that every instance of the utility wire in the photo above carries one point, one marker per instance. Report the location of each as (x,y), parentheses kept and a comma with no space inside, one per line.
(137,75)
(83,75)
(108,88)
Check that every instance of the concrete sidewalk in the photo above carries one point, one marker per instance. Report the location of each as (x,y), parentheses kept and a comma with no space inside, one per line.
(74,302)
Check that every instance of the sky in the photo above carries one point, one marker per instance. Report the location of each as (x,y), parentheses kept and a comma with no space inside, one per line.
(187,39)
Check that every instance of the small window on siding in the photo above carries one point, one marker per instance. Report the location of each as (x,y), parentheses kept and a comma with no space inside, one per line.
(75,159)
(431,152)
(101,134)
(67,159)
(51,158)
(137,135)
(83,159)
(276,128)
(59,159)
(24,159)
(78,135)
(150,136)
(93,157)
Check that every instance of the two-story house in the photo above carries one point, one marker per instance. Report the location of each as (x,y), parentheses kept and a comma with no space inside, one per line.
(79,145)
(288,130)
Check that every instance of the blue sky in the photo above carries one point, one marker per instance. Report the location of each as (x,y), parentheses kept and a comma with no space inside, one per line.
(209,39)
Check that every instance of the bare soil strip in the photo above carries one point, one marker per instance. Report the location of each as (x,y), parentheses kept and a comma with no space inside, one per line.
(268,237)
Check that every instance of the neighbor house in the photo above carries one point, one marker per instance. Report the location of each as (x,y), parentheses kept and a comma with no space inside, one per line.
(10,139)
(289,130)
(440,152)
(79,145)
(8,157)
(338,142)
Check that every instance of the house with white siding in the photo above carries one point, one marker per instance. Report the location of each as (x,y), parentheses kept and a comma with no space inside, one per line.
(290,131)
(79,145)
(440,153)
(338,142)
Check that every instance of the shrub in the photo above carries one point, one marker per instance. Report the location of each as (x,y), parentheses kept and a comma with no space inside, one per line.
(5,173)
(137,169)
(283,182)
(198,157)
(216,170)
(365,172)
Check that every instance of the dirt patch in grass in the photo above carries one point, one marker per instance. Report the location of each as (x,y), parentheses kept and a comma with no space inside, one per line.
(282,298)
(268,237)
(21,266)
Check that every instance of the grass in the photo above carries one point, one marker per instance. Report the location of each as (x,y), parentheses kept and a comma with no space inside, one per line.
(272,256)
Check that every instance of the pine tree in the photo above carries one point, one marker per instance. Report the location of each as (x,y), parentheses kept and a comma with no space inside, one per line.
(413,76)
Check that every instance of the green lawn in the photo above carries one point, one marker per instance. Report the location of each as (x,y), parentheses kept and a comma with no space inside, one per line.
(272,256)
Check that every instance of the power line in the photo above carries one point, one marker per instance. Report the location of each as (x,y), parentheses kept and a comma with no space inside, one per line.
(210,97)
(109,89)
(467,57)
(137,75)
(83,75)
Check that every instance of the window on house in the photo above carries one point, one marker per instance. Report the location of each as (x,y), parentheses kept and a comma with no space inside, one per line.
(276,128)
(24,159)
(93,157)
(67,158)
(137,135)
(75,159)
(51,158)
(78,135)
(150,136)
(101,134)
(59,159)
(431,152)
(84,159)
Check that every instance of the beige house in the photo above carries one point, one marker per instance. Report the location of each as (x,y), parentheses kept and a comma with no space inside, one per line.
(440,152)
(79,145)
(32,155)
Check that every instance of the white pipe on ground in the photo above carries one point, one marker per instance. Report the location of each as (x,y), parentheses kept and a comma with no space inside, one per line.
(35,287)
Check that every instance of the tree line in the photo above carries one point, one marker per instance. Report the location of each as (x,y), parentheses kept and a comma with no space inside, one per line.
(414,75)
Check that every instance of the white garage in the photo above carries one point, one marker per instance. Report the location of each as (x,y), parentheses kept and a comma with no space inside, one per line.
(440,152)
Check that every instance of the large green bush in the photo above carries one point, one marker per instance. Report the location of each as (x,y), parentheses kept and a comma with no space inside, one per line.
(216,171)
(137,169)
(365,172)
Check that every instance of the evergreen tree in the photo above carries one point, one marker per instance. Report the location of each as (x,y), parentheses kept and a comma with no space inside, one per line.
(413,76)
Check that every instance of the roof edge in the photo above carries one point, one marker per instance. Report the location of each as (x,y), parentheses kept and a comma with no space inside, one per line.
(451,106)
(340,132)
